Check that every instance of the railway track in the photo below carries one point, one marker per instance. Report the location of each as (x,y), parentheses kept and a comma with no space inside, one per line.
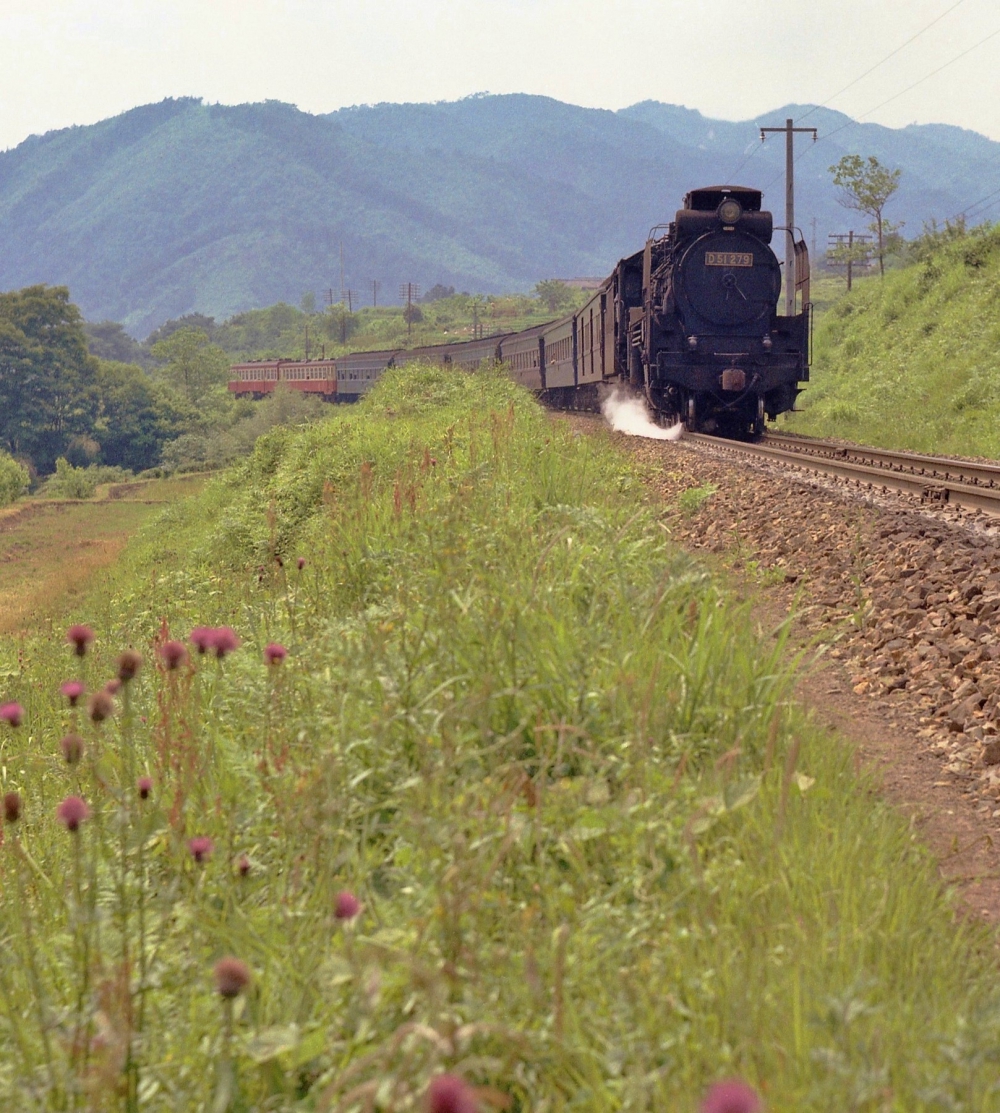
(935,479)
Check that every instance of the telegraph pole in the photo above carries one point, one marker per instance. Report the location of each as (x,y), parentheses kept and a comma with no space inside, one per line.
(407,292)
(789,129)
(375,286)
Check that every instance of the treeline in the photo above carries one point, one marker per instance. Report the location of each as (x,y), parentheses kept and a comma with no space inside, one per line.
(129,406)
(92,396)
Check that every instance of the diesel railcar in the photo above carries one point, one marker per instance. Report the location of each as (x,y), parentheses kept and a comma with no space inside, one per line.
(691,321)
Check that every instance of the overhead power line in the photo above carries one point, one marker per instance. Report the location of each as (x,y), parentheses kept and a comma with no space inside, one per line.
(888,57)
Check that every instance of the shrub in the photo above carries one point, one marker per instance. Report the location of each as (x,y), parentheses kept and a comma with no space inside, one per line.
(13,479)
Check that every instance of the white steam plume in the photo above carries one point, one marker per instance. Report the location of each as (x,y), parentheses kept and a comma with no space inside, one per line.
(628,414)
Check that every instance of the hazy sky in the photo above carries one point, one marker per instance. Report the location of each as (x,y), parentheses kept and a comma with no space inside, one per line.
(77,61)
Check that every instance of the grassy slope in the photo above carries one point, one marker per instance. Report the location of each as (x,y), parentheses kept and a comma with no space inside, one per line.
(602,861)
(914,361)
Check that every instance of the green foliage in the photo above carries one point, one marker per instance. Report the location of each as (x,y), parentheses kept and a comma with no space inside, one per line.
(137,416)
(694,498)
(14,479)
(46,376)
(192,365)
(556,296)
(600,859)
(866,186)
(912,362)
(69,482)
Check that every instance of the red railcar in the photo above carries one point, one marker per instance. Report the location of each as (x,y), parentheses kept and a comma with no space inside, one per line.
(311,376)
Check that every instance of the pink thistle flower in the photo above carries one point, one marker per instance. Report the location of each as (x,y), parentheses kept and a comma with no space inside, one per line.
(448,1093)
(80,637)
(73,811)
(11,807)
(301,563)
(113,686)
(201,638)
(278,561)
(173,654)
(243,865)
(72,690)
(12,714)
(224,640)
(346,906)
(145,786)
(72,748)
(201,848)
(274,653)
(129,663)
(101,706)
(731,1096)
(231,977)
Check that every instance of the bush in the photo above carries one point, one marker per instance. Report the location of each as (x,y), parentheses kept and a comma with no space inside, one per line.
(13,479)
(80,483)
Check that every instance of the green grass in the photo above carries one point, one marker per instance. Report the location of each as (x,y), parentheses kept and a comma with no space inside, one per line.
(602,861)
(913,361)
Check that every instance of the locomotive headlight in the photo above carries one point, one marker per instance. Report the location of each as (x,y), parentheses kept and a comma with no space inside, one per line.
(730,211)
(692,342)
(768,343)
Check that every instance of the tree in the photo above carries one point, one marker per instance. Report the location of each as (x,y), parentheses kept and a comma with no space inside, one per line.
(47,390)
(137,416)
(554,295)
(866,186)
(194,366)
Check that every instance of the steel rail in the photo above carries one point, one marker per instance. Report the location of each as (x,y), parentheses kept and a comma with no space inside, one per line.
(942,468)
(938,487)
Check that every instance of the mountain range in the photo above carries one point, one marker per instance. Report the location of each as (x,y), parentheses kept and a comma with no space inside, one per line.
(183,206)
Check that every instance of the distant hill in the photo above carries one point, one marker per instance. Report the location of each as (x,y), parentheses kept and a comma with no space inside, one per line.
(184,207)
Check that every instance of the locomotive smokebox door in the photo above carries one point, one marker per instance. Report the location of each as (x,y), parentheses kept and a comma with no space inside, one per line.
(734,378)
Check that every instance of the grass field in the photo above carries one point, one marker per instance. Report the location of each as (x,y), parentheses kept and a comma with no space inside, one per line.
(51,550)
(601,860)
(912,361)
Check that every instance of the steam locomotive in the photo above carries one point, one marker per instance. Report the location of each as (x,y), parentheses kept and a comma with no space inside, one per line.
(690,321)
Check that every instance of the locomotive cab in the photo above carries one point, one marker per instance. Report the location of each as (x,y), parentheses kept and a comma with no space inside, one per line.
(714,351)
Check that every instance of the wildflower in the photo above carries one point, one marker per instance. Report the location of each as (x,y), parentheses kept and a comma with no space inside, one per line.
(201,638)
(12,807)
(301,563)
(731,1096)
(274,653)
(113,686)
(278,561)
(72,690)
(448,1093)
(224,640)
(346,906)
(12,714)
(173,654)
(101,706)
(201,848)
(80,637)
(72,748)
(73,811)
(231,977)
(145,785)
(129,663)
(243,865)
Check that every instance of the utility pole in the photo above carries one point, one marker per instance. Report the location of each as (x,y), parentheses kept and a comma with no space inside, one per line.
(851,247)
(408,291)
(814,255)
(375,286)
(789,129)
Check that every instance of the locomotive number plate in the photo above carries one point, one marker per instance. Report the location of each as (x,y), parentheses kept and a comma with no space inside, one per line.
(728,258)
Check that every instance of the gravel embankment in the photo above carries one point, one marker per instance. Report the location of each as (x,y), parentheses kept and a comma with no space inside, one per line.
(913,593)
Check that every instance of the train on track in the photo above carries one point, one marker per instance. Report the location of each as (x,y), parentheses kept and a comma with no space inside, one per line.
(691,321)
